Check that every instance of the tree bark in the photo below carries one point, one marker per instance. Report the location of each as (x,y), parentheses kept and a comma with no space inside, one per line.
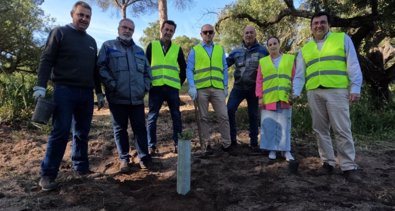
(162,8)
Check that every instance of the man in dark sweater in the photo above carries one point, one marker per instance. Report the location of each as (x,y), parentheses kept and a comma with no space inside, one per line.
(69,60)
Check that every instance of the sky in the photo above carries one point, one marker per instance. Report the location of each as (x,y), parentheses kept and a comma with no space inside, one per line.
(103,25)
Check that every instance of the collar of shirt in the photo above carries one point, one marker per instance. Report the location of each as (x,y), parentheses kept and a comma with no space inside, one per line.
(319,41)
(207,44)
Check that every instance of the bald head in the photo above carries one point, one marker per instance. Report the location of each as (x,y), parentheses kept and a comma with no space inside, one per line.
(207,33)
(249,36)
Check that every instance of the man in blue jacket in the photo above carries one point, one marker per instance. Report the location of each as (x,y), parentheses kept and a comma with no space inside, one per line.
(246,60)
(125,72)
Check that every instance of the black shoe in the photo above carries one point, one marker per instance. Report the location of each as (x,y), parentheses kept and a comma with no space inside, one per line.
(153,151)
(175,149)
(83,173)
(230,149)
(255,149)
(233,143)
(352,176)
(47,184)
(124,167)
(325,169)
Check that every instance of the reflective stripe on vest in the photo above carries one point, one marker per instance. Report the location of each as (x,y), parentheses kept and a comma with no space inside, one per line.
(327,67)
(208,71)
(165,70)
(276,83)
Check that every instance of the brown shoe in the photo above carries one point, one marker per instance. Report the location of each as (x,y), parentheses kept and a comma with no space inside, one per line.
(352,176)
(124,167)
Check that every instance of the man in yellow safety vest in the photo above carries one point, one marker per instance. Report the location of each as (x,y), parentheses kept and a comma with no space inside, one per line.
(168,74)
(328,66)
(207,75)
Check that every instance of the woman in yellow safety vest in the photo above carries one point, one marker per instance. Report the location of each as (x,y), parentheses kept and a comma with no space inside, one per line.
(273,88)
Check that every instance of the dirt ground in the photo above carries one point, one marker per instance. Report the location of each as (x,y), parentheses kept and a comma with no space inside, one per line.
(246,180)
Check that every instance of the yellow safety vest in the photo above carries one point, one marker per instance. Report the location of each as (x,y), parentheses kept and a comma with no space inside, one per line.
(276,83)
(327,67)
(165,69)
(209,71)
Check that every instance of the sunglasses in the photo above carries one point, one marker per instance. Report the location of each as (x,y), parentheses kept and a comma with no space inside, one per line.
(208,32)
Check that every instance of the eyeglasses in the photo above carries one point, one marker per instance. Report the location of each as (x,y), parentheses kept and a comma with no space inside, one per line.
(125,27)
(208,32)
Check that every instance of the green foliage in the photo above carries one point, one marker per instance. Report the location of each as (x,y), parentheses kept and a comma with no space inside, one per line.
(370,121)
(186,43)
(16,100)
(187,134)
(231,29)
(301,118)
(21,24)
(151,33)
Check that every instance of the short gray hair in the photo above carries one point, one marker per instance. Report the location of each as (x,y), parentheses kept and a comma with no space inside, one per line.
(82,4)
(125,19)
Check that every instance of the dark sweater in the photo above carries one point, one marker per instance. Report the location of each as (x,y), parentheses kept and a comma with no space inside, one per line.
(69,58)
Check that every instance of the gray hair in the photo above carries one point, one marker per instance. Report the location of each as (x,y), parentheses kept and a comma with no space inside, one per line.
(82,4)
(125,19)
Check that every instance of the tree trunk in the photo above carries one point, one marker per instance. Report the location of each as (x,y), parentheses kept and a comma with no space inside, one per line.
(162,8)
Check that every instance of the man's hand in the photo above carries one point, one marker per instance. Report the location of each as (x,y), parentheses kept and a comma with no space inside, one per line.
(192,92)
(38,92)
(100,101)
(226,91)
(354,97)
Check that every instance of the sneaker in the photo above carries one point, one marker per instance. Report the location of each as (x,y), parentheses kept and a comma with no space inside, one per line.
(47,184)
(272,155)
(153,151)
(288,156)
(352,176)
(124,167)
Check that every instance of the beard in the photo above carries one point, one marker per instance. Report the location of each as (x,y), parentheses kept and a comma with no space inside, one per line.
(126,38)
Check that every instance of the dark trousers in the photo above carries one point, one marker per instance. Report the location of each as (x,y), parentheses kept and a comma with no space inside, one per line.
(235,98)
(121,114)
(74,110)
(157,96)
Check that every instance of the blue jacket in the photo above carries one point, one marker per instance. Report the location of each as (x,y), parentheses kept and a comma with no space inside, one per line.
(125,72)
(246,61)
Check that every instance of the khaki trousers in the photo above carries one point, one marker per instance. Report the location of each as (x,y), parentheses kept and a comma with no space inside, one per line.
(217,99)
(330,109)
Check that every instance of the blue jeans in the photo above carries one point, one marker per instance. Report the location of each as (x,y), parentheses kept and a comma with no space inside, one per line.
(157,96)
(121,114)
(74,110)
(235,98)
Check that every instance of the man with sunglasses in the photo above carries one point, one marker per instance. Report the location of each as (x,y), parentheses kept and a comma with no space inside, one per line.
(69,60)
(246,61)
(207,75)
(125,72)
(168,74)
